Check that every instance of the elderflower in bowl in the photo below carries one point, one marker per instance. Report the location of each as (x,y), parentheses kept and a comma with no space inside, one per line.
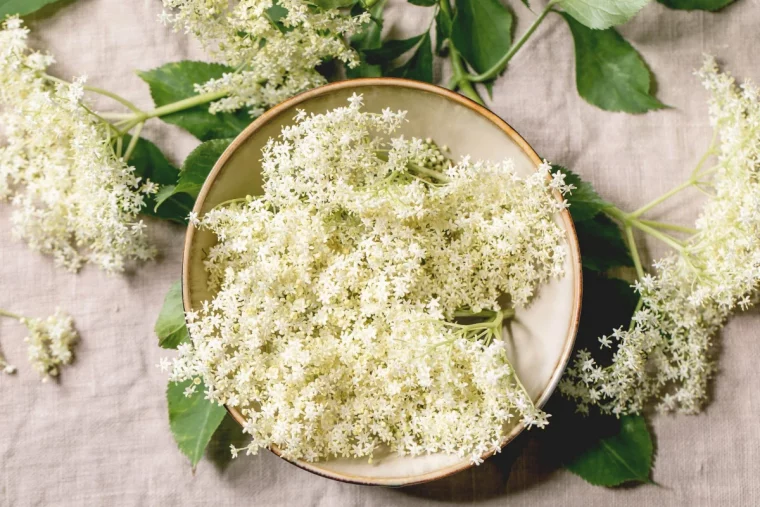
(381,282)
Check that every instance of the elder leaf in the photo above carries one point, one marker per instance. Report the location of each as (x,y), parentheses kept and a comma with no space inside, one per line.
(420,65)
(193,419)
(150,163)
(585,203)
(694,5)
(601,14)
(170,327)
(609,72)
(198,165)
(392,49)
(370,37)
(176,81)
(21,7)
(482,32)
(621,456)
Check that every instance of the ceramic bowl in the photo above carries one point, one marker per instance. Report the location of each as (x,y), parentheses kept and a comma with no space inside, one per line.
(539,339)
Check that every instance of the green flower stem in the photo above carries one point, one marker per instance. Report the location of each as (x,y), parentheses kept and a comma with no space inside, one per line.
(431,173)
(5,313)
(459,79)
(133,142)
(174,107)
(634,251)
(121,100)
(499,66)
(461,76)
(667,226)
(630,221)
(664,197)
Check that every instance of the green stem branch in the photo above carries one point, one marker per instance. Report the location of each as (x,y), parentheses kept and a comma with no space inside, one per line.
(5,313)
(499,66)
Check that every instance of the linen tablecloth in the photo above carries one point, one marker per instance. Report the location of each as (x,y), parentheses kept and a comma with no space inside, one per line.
(101,435)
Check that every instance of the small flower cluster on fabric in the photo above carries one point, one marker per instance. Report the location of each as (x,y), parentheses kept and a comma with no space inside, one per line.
(274,46)
(50,344)
(332,329)
(667,355)
(72,197)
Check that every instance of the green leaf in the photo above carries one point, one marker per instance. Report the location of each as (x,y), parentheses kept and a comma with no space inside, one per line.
(420,65)
(370,37)
(601,14)
(693,5)
(585,203)
(21,7)
(623,456)
(602,244)
(423,3)
(443,27)
(175,81)
(608,303)
(170,327)
(392,49)
(150,163)
(198,165)
(482,32)
(192,419)
(609,72)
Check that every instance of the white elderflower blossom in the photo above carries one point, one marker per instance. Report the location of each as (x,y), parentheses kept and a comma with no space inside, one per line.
(275,46)
(73,198)
(667,354)
(50,343)
(336,325)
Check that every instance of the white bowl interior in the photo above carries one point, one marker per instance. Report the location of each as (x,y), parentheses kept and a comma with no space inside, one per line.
(538,339)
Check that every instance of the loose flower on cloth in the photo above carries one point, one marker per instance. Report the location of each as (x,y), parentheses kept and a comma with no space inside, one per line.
(275,46)
(72,197)
(667,355)
(50,343)
(359,301)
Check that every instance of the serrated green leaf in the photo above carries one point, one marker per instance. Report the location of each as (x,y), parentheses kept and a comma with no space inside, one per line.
(602,244)
(150,163)
(423,3)
(601,14)
(420,65)
(694,5)
(370,37)
(192,419)
(175,81)
(170,327)
(22,7)
(392,49)
(198,165)
(618,458)
(585,203)
(609,72)
(482,32)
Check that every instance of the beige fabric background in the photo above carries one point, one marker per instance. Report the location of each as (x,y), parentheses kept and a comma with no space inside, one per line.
(101,436)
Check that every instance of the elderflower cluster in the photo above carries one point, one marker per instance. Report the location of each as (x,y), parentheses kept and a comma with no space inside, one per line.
(667,354)
(274,46)
(72,197)
(50,343)
(334,328)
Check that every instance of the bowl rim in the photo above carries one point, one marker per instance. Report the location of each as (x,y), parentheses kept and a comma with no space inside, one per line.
(575,258)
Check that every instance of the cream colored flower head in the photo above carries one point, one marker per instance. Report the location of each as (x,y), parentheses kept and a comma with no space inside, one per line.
(333,326)
(72,197)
